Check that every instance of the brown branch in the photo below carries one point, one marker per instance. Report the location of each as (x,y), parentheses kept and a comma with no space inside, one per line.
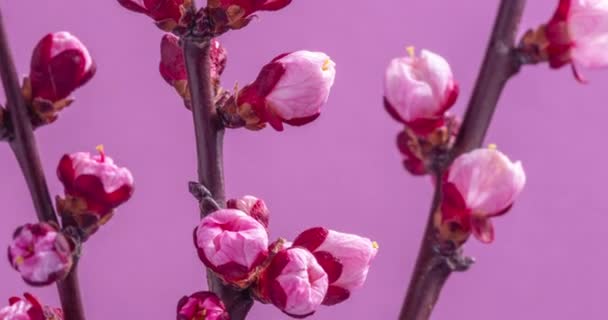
(23,145)
(500,63)
(209,144)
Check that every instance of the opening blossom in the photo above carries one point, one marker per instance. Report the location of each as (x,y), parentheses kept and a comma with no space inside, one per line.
(29,308)
(253,206)
(168,14)
(201,305)
(40,253)
(232,244)
(294,282)
(236,14)
(94,186)
(60,64)
(578,34)
(480,185)
(291,89)
(344,257)
(418,90)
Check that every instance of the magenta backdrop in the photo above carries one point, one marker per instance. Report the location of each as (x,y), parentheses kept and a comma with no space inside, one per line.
(343,171)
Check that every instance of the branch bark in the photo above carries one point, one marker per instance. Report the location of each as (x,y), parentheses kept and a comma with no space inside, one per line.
(209,133)
(23,145)
(501,62)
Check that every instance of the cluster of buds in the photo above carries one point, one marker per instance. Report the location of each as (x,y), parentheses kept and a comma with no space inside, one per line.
(575,35)
(201,305)
(60,64)
(418,91)
(29,308)
(320,267)
(172,65)
(94,185)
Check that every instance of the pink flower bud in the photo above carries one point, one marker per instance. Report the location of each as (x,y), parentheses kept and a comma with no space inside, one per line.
(168,14)
(418,90)
(94,186)
(344,257)
(252,206)
(172,65)
(578,34)
(40,253)
(294,282)
(291,89)
(60,64)
(232,244)
(236,14)
(480,185)
(29,309)
(201,305)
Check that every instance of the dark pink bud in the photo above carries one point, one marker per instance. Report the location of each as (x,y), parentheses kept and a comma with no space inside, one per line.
(294,282)
(232,244)
(201,305)
(29,308)
(94,186)
(168,14)
(344,257)
(410,148)
(291,89)
(236,14)
(40,253)
(60,64)
(252,206)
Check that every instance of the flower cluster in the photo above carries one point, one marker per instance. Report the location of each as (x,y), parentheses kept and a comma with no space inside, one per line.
(29,308)
(321,266)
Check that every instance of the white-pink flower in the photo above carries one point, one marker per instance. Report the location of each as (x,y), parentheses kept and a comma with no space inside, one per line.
(294,282)
(480,185)
(291,89)
(418,90)
(232,244)
(345,258)
(578,34)
(40,253)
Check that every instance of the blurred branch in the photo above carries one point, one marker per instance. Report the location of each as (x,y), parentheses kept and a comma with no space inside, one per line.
(23,145)
(501,62)
(209,133)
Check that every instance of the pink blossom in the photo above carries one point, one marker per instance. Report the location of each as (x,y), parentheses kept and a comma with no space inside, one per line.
(480,185)
(252,206)
(40,253)
(294,282)
(168,14)
(344,257)
(97,182)
(201,305)
(290,89)
(60,64)
(418,90)
(29,309)
(232,244)
(578,34)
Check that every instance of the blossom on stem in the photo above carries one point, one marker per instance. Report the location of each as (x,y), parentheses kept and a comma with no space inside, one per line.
(167,14)
(344,257)
(577,34)
(40,253)
(294,282)
(172,65)
(478,186)
(29,308)
(232,244)
(291,89)
(252,206)
(418,90)
(60,64)
(94,185)
(236,14)
(201,305)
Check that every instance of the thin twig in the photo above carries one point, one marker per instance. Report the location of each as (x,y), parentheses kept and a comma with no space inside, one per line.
(501,62)
(209,145)
(24,148)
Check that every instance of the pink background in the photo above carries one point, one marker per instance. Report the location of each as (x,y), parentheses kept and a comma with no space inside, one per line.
(343,171)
